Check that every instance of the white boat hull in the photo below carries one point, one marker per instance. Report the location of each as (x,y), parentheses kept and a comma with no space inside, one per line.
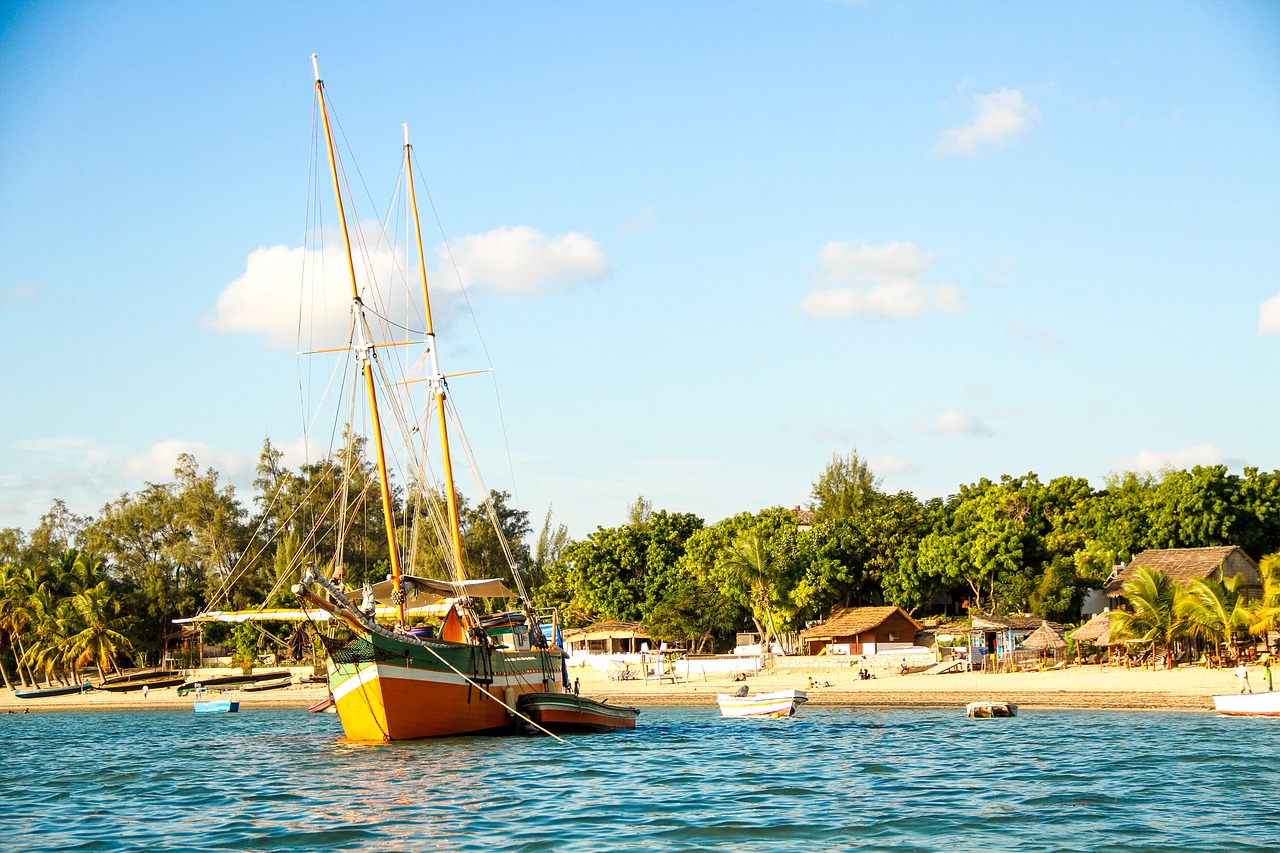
(781,703)
(1248,704)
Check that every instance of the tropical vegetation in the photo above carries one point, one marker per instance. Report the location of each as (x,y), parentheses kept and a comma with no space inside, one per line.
(82,593)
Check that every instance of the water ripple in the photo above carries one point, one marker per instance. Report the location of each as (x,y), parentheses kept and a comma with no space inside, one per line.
(685,780)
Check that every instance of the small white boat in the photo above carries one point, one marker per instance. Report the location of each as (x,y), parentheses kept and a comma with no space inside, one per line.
(780,703)
(1248,704)
(990,710)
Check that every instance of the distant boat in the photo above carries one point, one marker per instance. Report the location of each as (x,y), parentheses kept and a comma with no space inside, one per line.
(274,684)
(323,706)
(217,706)
(1248,704)
(989,710)
(239,679)
(780,703)
(564,712)
(53,691)
(153,683)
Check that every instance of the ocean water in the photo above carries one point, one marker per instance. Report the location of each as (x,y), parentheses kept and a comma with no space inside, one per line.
(684,780)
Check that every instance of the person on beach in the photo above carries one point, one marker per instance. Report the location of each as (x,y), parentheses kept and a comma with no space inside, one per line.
(1266,673)
(1242,673)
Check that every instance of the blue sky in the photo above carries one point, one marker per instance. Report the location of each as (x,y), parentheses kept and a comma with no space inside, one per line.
(708,244)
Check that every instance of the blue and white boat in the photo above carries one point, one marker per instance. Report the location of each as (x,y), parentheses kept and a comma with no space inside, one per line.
(217,706)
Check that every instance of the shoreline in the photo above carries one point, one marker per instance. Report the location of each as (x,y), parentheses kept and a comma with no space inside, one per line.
(1089,687)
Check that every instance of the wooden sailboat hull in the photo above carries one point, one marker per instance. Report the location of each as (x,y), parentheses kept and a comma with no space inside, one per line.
(407,692)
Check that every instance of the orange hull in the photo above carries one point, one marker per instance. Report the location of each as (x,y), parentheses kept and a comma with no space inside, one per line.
(385,703)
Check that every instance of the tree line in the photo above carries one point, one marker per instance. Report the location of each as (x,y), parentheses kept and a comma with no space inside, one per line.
(79,591)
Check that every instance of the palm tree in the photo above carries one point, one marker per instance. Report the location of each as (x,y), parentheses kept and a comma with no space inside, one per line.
(47,629)
(750,561)
(1215,610)
(99,640)
(15,615)
(8,608)
(1153,595)
(1266,614)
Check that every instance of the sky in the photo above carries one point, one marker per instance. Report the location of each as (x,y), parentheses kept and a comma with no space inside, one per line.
(705,245)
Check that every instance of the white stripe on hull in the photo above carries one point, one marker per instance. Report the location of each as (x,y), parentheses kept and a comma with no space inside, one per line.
(372,671)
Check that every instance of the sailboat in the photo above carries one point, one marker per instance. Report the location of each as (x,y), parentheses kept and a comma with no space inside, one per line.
(480,672)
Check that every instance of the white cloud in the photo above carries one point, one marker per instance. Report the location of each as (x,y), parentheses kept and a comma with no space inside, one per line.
(521,260)
(1040,338)
(1188,457)
(1269,316)
(277,279)
(18,295)
(156,464)
(1004,271)
(642,221)
(999,118)
(953,422)
(890,464)
(880,280)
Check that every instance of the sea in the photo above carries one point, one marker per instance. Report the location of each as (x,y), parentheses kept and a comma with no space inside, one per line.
(686,779)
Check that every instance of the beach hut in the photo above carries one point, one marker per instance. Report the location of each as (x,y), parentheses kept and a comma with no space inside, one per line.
(994,641)
(861,631)
(1186,564)
(1047,641)
(607,638)
(1096,632)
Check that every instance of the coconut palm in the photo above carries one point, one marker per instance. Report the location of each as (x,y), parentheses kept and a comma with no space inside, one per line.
(1153,595)
(99,639)
(47,629)
(749,559)
(15,615)
(1215,610)
(1266,614)
(9,626)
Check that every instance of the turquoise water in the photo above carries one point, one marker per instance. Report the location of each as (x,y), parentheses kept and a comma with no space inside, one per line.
(685,779)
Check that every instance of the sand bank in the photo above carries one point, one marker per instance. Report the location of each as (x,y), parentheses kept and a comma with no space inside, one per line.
(1083,687)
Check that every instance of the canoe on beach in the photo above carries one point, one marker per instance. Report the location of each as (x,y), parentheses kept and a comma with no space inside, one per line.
(53,691)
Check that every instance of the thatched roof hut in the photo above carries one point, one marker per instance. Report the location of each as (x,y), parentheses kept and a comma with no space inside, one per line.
(1186,564)
(1045,639)
(1096,631)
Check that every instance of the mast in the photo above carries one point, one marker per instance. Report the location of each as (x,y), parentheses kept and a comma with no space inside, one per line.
(436,378)
(365,354)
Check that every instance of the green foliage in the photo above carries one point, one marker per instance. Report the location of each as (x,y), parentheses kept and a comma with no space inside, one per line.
(845,488)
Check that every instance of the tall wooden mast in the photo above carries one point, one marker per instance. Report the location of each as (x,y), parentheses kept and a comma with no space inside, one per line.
(365,354)
(436,378)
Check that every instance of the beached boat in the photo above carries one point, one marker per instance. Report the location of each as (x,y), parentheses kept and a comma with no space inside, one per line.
(273,684)
(153,683)
(323,706)
(990,710)
(217,706)
(53,691)
(239,680)
(564,712)
(387,682)
(779,703)
(1248,704)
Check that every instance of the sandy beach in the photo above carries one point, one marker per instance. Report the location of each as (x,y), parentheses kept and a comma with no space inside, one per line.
(1083,687)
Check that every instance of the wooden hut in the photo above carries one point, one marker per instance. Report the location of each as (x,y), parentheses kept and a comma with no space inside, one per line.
(861,631)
